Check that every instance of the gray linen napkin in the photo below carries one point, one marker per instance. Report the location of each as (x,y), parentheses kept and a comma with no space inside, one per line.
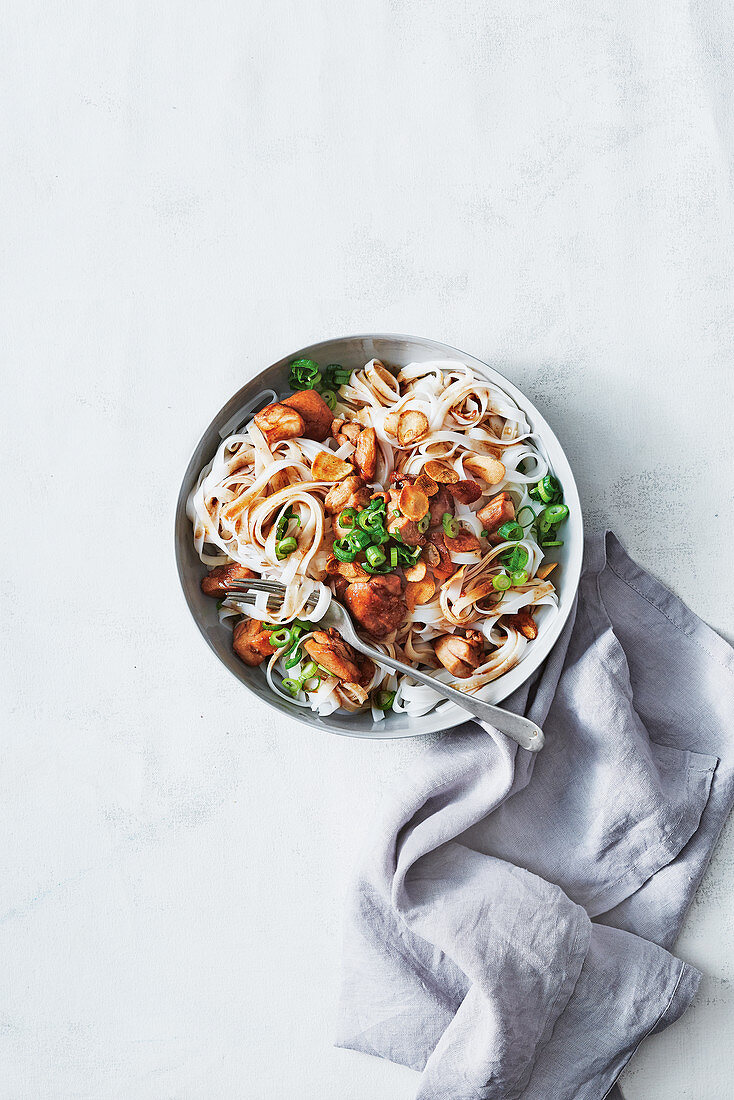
(470,951)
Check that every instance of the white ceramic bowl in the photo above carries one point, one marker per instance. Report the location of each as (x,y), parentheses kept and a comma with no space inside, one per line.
(355,351)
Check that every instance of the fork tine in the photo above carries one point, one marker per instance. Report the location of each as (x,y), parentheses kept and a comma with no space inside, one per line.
(241,594)
(245,583)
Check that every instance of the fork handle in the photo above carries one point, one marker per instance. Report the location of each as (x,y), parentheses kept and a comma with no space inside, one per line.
(527,734)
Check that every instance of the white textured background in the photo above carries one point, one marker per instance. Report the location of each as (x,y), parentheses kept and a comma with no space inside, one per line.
(189,191)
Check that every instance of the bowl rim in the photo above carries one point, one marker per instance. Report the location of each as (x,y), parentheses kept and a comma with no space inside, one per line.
(430,722)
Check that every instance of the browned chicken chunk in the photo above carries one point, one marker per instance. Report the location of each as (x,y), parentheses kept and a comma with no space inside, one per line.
(251,643)
(377,604)
(466,492)
(463,542)
(524,622)
(406,529)
(439,560)
(365,454)
(499,510)
(350,493)
(278,422)
(217,580)
(346,431)
(314,411)
(329,649)
(460,655)
(440,503)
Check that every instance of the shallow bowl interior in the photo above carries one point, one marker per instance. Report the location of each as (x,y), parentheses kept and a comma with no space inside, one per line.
(355,351)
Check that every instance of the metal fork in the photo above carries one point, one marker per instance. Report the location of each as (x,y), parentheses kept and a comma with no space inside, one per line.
(526,733)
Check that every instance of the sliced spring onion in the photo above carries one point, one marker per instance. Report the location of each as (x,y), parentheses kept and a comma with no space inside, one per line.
(548,488)
(384,700)
(369,519)
(281,637)
(450,526)
(515,559)
(305,374)
(309,671)
(555,513)
(337,375)
(551,542)
(296,632)
(295,657)
(543,524)
(377,504)
(393,556)
(376,569)
(511,531)
(520,576)
(501,582)
(291,686)
(423,524)
(359,540)
(282,525)
(303,624)
(525,522)
(285,547)
(375,556)
(347,517)
(330,398)
(409,554)
(343,551)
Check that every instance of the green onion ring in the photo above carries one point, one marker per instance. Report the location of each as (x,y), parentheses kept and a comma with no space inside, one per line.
(450,526)
(525,508)
(555,513)
(342,551)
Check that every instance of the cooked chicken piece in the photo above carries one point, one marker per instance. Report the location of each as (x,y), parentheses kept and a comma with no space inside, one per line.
(365,454)
(345,431)
(499,510)
(461,656)
(397,481)
(463,542)
(251,643)
(444,568)
(339,586)
(366,670)
(441,502)
(314,411)
(217,580)
(466,492)
(406,529)
(350,493)
(329,649)
(524,622)
(278,422)
(351,570)
(377,604)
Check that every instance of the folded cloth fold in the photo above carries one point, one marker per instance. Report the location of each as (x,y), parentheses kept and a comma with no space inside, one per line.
(470,951)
